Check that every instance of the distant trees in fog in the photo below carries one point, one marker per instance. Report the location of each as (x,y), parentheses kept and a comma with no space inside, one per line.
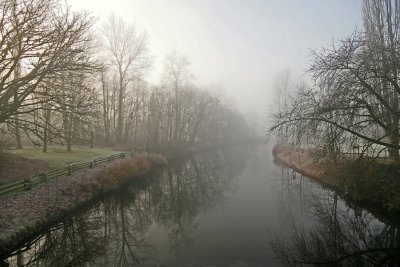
(175,112)
(62,82)
(355,100)
(127,57)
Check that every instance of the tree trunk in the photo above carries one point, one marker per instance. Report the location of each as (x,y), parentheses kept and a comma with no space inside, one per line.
(120,111)
(46,129)
(69,144)
(394,152)
(17,133)
(68,122)
(176,115)
(394,133)
(17,73)
(105,109)
(91,140)
(127,130)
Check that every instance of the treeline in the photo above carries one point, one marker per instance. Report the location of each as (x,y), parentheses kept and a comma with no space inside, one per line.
(354,104)
(65,80)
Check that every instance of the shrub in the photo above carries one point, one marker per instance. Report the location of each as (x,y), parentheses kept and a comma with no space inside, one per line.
(127,169)
(156,160)
(108,181)
(365,180)
(142,163)
(279,149)
(90,187)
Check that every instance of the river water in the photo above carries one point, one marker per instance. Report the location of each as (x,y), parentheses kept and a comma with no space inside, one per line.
(231,207)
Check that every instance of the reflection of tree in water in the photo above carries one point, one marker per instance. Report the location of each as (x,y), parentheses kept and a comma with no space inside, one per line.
(69,243)
(190,188)
(125,222)
(109,234)
(340,237)
(113,232)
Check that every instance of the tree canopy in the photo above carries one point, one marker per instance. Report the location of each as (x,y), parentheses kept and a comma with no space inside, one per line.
(355,97)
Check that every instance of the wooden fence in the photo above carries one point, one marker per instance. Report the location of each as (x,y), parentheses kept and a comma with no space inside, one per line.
(28,183)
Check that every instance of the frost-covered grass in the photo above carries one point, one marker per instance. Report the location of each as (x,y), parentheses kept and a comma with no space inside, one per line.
(58,157)
(22,213)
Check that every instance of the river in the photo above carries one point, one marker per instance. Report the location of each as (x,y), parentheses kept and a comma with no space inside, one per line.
(231,207)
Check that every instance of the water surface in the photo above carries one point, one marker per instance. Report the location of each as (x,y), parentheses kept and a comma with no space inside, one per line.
(231,207)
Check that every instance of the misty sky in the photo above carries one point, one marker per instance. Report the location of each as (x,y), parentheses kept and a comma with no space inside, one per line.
(236,45)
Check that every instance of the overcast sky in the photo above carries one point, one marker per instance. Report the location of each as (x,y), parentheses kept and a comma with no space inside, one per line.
(237,45)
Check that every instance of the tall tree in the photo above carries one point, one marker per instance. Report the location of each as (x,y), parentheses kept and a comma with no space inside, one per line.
(128,57)
(356,97)
(177,78)
(43,39)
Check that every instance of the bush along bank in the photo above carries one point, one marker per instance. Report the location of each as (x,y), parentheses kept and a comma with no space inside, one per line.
(27,212)
(367,181)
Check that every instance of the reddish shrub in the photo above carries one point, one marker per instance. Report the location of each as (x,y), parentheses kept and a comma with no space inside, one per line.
(279,148)
(142,163)
(156,159)
(108,181)
(90,187)
(125,170)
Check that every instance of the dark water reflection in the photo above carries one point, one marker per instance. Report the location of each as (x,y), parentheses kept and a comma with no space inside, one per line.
(233,207)
(336,234)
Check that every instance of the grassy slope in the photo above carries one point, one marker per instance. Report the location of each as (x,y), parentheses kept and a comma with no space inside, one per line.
(57,157)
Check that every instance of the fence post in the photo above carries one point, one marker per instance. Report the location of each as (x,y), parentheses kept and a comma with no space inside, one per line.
(27,184)
(70,168)
(43,177)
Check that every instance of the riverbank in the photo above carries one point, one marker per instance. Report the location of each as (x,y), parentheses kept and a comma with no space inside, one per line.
(371,184)
(26,212)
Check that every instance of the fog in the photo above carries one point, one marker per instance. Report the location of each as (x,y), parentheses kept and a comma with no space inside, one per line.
(199,133)
(235,46)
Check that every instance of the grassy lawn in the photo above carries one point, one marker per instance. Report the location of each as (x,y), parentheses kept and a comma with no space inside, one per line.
(57,157)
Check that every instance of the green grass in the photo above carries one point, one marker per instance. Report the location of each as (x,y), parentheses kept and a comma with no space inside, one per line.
(58,157)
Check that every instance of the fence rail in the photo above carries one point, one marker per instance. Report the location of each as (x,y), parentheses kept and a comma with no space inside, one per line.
(28,183)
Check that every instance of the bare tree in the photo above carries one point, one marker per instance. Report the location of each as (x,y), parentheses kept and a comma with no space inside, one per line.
(105,88)
(177,77)
(128,57)
(282,86)
(39,41)
(356,98)
(44,39)
(77,110)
